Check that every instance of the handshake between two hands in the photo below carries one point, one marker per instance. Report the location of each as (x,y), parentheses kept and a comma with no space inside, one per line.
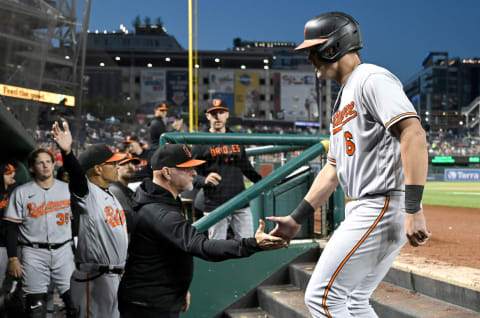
(280,236)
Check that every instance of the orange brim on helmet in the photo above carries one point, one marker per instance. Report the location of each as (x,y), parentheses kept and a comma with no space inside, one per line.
(310,43)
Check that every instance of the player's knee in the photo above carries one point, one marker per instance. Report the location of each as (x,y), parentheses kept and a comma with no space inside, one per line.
(36,305)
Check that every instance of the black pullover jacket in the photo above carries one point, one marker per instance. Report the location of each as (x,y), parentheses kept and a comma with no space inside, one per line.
(231,163)
(159,268)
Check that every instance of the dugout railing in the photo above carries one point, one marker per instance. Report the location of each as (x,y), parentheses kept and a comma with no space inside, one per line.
(313,145)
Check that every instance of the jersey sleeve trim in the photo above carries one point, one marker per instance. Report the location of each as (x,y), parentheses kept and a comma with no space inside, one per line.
(399,117)
(332,161)
(12,219)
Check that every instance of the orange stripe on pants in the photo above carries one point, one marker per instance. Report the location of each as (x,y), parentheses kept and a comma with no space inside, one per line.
(364,237)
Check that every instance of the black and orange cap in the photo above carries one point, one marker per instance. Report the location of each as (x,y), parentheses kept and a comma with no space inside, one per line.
(173,155)
(162,106)
(130,158)
(8,168)
(98,154)
(217,104)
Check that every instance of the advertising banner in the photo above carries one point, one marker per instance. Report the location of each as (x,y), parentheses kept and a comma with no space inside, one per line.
(221,86)
(246,93)
(462,174)
(177,89)
(152,86)
(298,96)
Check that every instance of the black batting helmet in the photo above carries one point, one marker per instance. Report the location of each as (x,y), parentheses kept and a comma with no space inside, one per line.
(332,34)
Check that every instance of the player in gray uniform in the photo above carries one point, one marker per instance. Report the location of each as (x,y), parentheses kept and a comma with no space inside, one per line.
(102,235)
(39,215)
(375,131)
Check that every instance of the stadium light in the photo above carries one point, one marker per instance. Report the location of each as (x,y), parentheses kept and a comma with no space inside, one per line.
(217,60)
(243,67)
(167,59)
(117,58)
(266,67)
(102,64)
(149,65)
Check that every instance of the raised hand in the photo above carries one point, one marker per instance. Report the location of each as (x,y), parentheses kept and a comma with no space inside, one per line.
(267,241)
(63,138)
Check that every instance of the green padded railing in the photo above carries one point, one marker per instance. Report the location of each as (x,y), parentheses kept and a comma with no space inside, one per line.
(317,143)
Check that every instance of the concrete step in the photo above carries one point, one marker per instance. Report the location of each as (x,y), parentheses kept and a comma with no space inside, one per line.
(428,297)
(247,313)
(392,301)
(437,284)
(283,301)
(300,274)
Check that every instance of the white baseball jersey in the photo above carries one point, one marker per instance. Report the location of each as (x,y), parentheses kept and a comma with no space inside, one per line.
(43,215)
(102,236)
(366,155)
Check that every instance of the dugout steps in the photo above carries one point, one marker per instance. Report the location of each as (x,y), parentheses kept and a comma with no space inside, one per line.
(402,294)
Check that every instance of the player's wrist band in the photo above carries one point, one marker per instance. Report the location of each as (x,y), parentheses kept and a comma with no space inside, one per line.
(413,198)
(303,211)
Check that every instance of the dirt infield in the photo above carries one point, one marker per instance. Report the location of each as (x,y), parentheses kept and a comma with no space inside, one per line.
(455,237)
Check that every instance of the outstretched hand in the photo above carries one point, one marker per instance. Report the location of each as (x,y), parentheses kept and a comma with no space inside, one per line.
(416,228)
(267,241)
(286,227)
(63,138)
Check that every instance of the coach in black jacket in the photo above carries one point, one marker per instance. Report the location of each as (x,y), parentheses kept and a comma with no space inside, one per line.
(159,269)
(221,177)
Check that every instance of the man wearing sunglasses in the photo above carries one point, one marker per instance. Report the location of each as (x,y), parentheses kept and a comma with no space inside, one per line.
(102,230)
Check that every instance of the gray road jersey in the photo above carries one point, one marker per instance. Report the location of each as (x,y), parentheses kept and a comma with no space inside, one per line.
(102,235)
(366,155)
(44,216)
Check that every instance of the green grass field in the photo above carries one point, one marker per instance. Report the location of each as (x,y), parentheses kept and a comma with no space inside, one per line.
(455,194)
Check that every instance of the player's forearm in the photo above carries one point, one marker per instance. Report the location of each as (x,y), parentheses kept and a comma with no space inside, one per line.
(322,188)
(414,155)
(78,181)
(12,239)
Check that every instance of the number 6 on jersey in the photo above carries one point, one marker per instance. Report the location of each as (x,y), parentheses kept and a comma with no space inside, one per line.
(349,145)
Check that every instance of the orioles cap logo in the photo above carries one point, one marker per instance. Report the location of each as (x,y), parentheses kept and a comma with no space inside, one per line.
(216,102)
(187,152)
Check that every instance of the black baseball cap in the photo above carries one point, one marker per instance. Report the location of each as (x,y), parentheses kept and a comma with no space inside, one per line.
(130,158)
(98,154)
(7,168)
(217,104)
(173,155)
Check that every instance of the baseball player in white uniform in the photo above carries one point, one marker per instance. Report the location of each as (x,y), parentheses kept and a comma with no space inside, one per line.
(102,230)
(378,154)
(40,216)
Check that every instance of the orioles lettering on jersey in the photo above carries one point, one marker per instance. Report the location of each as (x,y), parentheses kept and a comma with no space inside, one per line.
(224,150)
(343,116)
(35,211)
(114,217)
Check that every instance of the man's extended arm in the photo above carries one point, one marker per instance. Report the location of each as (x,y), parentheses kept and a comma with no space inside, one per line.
(321,189)
(78,181)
